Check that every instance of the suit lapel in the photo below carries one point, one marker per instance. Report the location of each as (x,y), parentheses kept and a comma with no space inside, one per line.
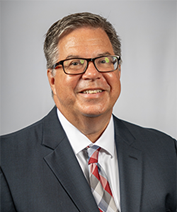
(130,169)
(64,165)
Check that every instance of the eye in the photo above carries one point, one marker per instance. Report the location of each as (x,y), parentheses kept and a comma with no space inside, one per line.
(104,60)
(71,63)
(75,62)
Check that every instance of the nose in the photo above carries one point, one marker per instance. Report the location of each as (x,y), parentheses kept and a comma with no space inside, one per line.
(91,72)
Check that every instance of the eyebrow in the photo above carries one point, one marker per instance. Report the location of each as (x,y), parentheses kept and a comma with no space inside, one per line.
(78,56)
(72,56)
(104,54)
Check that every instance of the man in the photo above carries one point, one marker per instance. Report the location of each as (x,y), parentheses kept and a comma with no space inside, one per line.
(47,166)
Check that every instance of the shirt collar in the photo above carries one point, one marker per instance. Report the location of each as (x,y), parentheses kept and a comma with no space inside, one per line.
(79,141)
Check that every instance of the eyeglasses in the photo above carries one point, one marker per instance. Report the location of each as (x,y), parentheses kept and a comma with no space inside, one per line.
(75,66)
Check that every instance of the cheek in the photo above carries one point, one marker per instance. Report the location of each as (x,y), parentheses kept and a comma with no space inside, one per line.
(115,84)
(113,79)
(65,84)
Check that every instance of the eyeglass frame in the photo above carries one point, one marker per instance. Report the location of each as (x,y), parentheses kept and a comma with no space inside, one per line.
(88,60)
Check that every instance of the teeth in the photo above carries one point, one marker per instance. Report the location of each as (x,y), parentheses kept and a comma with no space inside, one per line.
(92,91)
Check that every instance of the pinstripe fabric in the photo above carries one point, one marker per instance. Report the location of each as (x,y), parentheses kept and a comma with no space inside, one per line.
(98,182)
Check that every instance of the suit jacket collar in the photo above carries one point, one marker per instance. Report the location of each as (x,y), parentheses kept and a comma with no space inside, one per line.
(63,164)
(53,132)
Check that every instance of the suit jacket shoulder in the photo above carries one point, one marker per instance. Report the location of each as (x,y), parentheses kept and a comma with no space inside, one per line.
(147,168)
(40,173)
(147,135)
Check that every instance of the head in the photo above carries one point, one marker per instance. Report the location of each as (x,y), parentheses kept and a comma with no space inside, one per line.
(92,93)
(74,21)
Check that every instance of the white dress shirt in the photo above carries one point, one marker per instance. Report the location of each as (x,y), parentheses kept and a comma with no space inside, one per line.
(107,155)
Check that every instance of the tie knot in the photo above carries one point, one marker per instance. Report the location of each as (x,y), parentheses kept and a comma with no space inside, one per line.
(93,152)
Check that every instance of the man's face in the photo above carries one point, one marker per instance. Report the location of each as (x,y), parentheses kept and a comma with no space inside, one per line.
(68,90)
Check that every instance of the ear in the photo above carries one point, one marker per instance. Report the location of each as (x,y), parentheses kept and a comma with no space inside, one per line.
(51,78)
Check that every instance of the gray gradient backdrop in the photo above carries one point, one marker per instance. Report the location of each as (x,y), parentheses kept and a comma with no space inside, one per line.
(148,30)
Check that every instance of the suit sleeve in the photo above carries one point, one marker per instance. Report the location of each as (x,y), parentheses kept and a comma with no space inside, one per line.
(6,203)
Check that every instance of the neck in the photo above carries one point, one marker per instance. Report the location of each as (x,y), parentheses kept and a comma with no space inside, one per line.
(91,127)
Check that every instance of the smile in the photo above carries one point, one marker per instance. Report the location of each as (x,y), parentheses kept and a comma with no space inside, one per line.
(92,91)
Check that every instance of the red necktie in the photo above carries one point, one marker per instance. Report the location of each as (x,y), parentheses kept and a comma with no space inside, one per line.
(98,182)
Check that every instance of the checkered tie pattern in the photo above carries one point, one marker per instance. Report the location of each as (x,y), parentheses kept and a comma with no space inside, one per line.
(99,183)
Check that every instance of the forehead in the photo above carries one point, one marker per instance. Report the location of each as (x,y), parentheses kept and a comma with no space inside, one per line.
(85,40)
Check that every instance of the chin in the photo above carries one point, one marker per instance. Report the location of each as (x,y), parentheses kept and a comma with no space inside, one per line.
(90,115)
(96,113)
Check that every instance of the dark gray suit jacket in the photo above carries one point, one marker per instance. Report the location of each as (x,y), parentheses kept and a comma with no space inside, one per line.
(40,173)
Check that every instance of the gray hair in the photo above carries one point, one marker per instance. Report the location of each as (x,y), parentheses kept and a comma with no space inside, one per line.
(74,21)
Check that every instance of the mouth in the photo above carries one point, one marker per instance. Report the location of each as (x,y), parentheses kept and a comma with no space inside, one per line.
(92,91)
